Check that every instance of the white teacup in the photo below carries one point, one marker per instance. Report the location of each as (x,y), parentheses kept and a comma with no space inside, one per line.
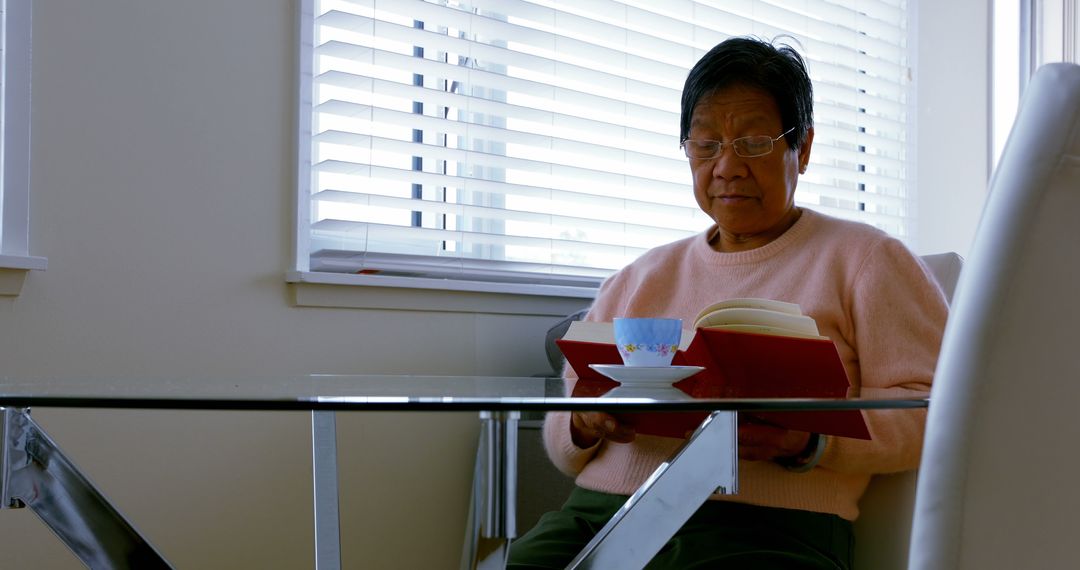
(647,341)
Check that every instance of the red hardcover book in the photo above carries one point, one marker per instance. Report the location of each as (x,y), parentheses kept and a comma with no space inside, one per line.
(737,365)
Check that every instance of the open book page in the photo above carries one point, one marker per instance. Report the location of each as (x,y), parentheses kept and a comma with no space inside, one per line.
(752,303)
(762,329)
(773,317)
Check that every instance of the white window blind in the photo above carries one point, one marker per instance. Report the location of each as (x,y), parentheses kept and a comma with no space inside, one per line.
(538,141)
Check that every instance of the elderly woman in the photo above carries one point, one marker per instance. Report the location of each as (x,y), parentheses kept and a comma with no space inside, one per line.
(747,129)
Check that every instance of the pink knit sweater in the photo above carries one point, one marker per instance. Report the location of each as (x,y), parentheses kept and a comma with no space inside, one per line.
(866,291)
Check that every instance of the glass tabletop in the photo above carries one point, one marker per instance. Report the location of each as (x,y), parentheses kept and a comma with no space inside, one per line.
(336,392)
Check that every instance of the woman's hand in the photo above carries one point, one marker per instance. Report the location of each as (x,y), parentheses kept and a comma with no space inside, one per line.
(588,428)
(764,442)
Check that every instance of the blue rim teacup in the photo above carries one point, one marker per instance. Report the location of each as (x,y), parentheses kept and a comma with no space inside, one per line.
(647,341)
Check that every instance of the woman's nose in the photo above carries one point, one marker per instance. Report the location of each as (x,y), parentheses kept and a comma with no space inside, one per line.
(729,165)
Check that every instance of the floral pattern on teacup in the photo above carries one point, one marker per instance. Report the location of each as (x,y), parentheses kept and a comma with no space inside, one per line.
(647,341)
(659,349)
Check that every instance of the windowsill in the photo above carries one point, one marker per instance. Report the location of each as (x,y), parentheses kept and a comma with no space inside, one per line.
(317,289)
(13,270)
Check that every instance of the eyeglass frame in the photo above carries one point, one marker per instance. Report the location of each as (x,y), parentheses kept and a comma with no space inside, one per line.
(721,144)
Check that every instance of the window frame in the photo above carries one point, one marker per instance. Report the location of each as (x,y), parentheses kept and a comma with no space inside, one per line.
(15,258)
(301,275)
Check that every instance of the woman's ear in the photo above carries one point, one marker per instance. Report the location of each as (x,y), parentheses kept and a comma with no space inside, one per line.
(804,150)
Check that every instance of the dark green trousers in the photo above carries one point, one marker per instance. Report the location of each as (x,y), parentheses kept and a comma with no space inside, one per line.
(719,535)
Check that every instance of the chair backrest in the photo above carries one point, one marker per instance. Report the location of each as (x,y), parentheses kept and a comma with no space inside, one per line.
(883,529)
(945,267)
(997,483)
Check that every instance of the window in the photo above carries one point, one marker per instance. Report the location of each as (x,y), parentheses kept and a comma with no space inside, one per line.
(1026,35)
(533,144)
(15,143)
(1006,72)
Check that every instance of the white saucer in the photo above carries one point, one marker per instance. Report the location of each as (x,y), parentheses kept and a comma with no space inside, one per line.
(646,375)
(646,381)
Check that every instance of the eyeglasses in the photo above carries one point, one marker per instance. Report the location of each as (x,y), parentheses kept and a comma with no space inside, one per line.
(746,147)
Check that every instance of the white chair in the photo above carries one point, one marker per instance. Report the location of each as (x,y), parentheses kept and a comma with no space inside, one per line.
(998,480)
(883,529)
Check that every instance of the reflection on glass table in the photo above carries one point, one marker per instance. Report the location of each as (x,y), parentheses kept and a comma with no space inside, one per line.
(35,473)
(334,392)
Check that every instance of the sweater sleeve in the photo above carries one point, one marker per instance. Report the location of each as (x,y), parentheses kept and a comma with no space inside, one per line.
(569,458)
(898,315)
(566,456)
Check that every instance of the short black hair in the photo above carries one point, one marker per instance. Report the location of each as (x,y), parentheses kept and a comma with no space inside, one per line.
(778,70)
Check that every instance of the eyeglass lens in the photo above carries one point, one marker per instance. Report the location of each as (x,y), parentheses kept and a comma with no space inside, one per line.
(746,147)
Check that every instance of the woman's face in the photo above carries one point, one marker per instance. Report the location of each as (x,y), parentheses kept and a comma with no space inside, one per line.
(751,199)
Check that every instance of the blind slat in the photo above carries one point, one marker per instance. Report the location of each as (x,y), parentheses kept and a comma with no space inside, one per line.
(544,96)
(600,182)
(548,225)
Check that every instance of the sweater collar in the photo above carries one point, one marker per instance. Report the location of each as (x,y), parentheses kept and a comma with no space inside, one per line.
(792,237)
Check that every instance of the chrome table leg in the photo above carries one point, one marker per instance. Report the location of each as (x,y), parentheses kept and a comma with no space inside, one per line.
(493,508)
(36,474)
(706,464)
(325,477)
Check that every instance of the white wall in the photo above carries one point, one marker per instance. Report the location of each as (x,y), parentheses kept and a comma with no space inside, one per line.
(161,188)
(952,146)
